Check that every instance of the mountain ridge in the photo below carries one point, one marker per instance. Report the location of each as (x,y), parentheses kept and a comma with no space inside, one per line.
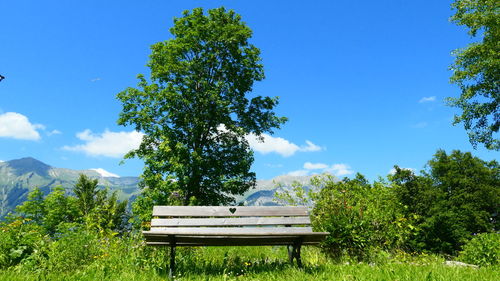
(19,176)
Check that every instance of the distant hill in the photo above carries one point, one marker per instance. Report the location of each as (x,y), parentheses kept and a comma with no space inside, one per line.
(264,193)
(18,177)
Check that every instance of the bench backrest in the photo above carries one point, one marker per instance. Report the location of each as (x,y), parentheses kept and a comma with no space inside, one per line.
(230,216)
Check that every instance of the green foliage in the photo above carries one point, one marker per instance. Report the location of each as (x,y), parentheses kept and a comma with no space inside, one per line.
(298,195)
(414,192)
(360,217)
(471,187)
(73,250)
(195,114)
(482,250)
(98,209)
(48,211)
(142,207)
(86,191)
(418,197)
(59,208)
(34,207)
(457,196)
(376,222)
(248,263)
(18,240)
(60,233)
(477,71)
(108,214)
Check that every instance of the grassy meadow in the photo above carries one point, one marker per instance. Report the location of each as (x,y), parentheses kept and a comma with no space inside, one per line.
(249,263)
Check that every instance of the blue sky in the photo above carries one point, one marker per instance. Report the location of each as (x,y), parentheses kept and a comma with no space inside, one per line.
(362,82)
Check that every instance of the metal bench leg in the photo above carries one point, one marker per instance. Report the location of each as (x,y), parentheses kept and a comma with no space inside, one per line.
(171,271)
(294,253)
(290,249)
(297,254)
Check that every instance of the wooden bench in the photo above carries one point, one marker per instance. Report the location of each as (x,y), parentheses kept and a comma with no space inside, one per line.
(232,226)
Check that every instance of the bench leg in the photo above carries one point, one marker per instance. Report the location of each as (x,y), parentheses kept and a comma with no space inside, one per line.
(171,271)
(297,255)
(294,253)
(290,253)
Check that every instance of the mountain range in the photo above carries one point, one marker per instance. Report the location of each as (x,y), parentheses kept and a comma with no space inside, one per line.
(19,176)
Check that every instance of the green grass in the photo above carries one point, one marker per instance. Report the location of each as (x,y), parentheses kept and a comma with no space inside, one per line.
(258,263)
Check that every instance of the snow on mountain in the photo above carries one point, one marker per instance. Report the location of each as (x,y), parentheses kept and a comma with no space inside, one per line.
(105,173)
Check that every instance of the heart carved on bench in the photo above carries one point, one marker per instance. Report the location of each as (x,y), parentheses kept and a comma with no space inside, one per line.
(232,210)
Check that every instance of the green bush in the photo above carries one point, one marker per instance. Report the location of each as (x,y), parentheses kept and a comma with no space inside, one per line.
(482,250)
(75,248)
(455,196)
(362,218)
(49,211)
(18,240)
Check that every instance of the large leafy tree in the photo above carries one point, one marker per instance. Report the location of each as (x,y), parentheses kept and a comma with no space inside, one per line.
(471,187)
(477,71)
(195,113)
(456,196)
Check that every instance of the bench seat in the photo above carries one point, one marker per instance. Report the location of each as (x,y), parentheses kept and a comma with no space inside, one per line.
(232,226)
(234,240)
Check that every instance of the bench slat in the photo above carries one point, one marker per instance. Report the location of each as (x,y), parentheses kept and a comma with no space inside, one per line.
(228,211)
(246,221)
(229,231)
(231,226)
(235,241)
(224,243)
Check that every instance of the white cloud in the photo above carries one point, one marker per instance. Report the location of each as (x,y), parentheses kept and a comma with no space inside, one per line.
(272,144)
(95,79)
(310,147)
(278,145)
(54,132)
(427,99)
(340,170)
(105,173)
(17,126)
(393,170)
(314,166)
(109,144)
(274,165)
(299,173)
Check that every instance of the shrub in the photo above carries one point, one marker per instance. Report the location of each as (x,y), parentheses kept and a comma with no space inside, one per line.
(49,211)
(361,218)
(482,250)
(455,196)
(75,248)
(18,240)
